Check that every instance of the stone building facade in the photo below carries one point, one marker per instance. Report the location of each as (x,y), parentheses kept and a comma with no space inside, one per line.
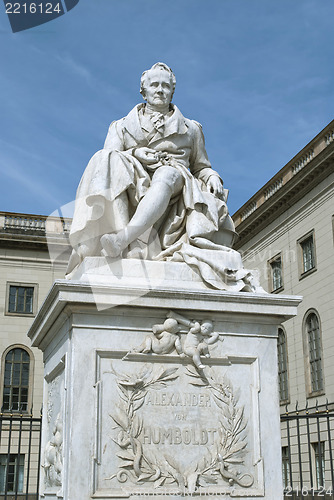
(286,232)
(27,272)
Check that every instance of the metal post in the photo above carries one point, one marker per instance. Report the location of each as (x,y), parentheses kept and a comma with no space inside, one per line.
(18,457)
(289,450)
(29,455)
(8,454)
(309,452)
(39,452)
(299,449)
(330,446)
(319,447)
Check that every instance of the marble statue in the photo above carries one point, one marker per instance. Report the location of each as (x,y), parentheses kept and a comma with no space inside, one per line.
(151,193)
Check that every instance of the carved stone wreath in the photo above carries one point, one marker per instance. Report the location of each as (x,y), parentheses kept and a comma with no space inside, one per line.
(221,460)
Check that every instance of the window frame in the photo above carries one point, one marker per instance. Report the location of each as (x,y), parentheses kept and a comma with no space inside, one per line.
(310,392)
(287,400)
(271,261)
(30,379)
(300,241)
(34,299)
(18,468)
(319,463)
(286,466)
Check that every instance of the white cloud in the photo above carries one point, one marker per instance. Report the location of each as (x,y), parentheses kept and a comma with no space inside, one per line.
(76,67)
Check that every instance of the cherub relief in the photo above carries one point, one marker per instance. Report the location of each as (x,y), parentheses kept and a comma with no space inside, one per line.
(198,338)
(163,340)
(166,338)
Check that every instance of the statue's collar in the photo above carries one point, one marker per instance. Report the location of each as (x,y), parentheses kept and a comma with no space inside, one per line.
(174,124)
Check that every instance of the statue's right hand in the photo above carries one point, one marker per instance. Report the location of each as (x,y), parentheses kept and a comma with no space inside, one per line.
(146,156)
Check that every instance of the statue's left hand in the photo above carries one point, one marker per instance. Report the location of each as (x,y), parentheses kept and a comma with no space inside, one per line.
(215,186)
(146,156)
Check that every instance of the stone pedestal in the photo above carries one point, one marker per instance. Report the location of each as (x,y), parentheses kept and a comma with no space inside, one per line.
(119,423)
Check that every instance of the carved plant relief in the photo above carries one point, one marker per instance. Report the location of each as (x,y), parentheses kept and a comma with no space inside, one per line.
(53,455)
(53,451)
(225,445)
(53,389)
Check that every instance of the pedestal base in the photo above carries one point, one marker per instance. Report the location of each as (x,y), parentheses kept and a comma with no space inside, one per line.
(118,423)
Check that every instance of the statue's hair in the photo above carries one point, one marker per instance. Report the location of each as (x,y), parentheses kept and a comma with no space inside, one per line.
(162,67)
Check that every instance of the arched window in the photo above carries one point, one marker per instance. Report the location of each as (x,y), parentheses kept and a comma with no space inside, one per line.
(313,337)
(282,366)
(16,380)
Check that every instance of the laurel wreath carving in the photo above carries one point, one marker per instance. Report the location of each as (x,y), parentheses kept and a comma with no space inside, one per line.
(220,461)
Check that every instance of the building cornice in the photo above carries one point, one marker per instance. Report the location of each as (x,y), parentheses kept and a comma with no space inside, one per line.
(33,231)
(287,223)
(313,164)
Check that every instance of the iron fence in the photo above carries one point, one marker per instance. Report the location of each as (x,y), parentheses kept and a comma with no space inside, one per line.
(307,453)
(20,451)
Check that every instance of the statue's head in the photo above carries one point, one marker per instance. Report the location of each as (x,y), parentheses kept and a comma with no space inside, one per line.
(206,327)
(171,325)
(159,74)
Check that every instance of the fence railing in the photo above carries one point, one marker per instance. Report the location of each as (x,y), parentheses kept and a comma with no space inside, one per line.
(307,453)
(20,451)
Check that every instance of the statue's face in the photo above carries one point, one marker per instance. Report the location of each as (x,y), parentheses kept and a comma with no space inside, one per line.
(159,88)
(206,328)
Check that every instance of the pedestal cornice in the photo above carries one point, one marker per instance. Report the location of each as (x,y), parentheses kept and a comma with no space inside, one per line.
(67,297)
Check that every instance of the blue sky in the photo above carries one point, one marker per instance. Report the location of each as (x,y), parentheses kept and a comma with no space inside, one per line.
(258,75)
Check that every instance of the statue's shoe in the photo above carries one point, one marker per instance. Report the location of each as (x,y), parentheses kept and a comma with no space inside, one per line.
(111,245)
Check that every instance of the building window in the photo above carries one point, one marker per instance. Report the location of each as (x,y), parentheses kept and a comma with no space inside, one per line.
(319,462)
(11,473)
(276,273)
(307,254)
(313,337)
(285,466)
(282,366)
(16,381)
(21,299)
